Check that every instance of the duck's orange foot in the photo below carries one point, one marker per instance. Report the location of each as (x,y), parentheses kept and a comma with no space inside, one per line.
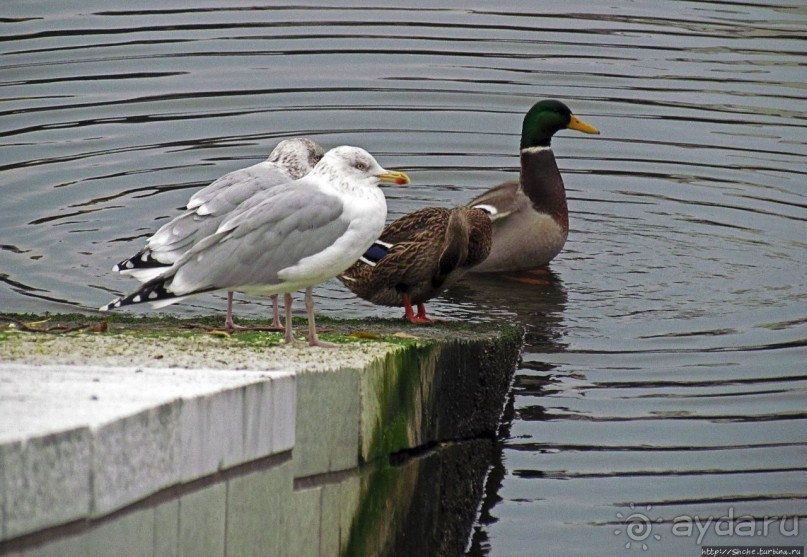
(409,313)
(418,320)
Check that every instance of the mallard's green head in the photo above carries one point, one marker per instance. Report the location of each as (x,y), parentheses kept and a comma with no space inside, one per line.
(546,118)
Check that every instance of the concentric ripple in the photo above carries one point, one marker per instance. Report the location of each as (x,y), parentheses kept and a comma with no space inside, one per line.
(664,375)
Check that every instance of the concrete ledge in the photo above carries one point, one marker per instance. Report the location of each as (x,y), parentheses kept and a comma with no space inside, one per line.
(83,442)
(45,481)
(295,460)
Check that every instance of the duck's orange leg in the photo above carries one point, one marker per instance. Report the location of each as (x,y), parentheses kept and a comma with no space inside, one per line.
(409,313)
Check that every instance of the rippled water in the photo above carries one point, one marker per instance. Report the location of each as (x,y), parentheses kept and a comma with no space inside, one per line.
(665,370)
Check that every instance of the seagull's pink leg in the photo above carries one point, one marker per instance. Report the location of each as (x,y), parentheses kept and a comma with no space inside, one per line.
(275,313)
(229,324)
(312,326)
(289,336)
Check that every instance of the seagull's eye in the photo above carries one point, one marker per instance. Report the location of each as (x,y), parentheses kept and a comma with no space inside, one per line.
(360,166)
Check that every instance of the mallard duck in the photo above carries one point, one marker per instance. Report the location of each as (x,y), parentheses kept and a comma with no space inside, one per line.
(418,256)
(290,160)
(530,217)
(293,236)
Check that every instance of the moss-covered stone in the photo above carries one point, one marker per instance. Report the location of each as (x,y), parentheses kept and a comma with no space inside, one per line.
(429,419)
(424,403)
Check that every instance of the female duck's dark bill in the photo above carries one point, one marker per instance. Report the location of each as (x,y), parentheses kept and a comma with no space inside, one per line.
(394,177)
(577,124)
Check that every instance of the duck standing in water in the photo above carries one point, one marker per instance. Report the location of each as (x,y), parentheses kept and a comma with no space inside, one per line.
(420,255)
(530,216)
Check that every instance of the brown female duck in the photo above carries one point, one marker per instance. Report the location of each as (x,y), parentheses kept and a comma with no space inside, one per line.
(420,255)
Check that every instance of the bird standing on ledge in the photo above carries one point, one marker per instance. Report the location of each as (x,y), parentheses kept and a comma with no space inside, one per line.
(300,234)
(290,160)
(420,255)
(530,216)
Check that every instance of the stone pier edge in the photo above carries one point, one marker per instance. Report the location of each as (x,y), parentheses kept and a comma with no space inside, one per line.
(218,462)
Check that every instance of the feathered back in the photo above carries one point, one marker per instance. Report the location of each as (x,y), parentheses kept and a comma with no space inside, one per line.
(421,254)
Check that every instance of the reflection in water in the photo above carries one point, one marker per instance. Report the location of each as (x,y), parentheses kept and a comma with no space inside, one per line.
(664,365)
(535,299)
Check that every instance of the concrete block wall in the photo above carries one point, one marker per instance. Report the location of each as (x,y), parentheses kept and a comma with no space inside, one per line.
(143,432)
(200,462)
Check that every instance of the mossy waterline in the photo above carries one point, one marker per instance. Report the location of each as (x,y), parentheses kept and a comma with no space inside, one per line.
(420,437)
(429,403)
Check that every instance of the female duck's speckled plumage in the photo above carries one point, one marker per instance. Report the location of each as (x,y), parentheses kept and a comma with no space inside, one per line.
(289,237)
(530,216)
(420,255)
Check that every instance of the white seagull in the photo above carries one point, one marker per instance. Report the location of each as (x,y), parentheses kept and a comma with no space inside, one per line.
(290,160)
(292,236)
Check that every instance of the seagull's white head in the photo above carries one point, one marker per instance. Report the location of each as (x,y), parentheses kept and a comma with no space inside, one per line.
(353,166)
(296,156)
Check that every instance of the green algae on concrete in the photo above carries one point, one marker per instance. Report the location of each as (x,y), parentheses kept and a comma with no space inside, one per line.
(427,405)
(436,391)
(192,343)
(422,504)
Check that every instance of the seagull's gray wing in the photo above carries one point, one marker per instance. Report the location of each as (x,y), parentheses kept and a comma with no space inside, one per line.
(229,191)
(252,246)
(208,208)
(178,236)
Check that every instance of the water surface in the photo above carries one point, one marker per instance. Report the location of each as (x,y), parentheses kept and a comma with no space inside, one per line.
(664,375)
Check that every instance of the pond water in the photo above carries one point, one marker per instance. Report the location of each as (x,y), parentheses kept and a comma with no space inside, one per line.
(664,377)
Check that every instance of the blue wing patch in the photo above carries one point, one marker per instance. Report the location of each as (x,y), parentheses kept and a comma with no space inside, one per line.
(375,253)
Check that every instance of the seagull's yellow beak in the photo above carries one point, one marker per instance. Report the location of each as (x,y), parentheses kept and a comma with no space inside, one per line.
(577,124)
(394,177)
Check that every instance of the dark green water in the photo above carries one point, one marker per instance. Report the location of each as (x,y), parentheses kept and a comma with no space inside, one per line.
(665,373)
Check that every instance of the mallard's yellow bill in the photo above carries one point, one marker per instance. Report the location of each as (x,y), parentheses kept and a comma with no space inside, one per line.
(577,124)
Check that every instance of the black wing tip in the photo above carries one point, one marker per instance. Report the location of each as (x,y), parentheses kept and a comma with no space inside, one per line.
(149,292)
(116,303)
(141,260)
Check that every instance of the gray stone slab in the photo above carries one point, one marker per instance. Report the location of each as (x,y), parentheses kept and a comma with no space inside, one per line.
(212,436)
(284,413)
(166,529)
(328,407)
(73,546)
(349,500)
(303,512)
(126,427)
(258,417)
(329,530)
(45,481)
(202,516)
(131,534)
(68,397)
(135,456)
(258,511)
